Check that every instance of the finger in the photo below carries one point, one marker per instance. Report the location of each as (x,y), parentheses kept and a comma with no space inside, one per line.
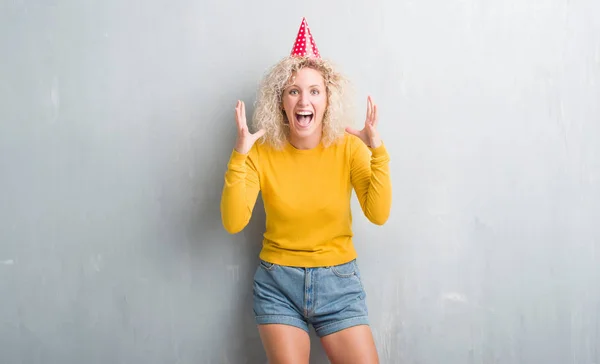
(241,117)
(372,118)
(244,112)
(375,117)
(368,109)
(237,115)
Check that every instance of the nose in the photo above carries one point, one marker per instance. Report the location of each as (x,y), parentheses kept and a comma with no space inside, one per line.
(304,99)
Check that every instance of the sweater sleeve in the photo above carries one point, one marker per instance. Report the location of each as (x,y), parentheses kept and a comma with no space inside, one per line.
(240,191)
(370,177)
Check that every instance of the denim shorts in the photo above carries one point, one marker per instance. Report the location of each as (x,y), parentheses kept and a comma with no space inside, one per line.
(328,298)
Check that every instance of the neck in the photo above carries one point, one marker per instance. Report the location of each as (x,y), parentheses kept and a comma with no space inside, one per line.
(309,142)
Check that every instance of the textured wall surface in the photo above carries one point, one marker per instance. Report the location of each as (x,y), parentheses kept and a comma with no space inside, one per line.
(117,120)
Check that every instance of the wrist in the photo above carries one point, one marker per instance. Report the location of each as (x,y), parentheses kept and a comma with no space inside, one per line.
(241,148)
(375,143)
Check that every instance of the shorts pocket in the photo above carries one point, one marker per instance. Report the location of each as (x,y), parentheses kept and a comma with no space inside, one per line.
(266,265)
(345,270)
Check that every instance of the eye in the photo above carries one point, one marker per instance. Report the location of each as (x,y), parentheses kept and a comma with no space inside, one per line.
(314,92)
(293,92)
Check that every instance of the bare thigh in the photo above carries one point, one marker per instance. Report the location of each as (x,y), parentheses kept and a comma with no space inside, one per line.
(285,344)
(351,345)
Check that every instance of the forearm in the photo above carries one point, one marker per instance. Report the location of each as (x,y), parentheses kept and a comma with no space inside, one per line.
(376,200)
(239,194)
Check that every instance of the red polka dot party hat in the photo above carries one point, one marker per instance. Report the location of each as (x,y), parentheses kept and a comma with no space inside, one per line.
(305,45)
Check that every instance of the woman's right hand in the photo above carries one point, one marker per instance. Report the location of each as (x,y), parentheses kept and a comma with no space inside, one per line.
(245,139)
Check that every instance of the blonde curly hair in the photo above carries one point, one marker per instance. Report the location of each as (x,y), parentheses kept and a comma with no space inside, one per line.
(269,114)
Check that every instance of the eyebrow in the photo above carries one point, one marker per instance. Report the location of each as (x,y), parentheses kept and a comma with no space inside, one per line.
(298,86)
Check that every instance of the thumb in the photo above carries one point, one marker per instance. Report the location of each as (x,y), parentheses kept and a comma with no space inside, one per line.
(352,131)
(259,133)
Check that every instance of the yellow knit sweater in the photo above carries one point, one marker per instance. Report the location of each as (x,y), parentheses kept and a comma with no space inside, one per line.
(306,194)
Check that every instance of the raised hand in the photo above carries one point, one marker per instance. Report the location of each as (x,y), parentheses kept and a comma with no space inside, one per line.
(245,139)
(369,134)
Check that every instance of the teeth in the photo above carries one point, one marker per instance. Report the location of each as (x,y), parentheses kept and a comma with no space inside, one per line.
(305,113)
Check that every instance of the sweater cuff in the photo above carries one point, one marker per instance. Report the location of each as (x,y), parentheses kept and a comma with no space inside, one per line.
(379,151)
(237,158)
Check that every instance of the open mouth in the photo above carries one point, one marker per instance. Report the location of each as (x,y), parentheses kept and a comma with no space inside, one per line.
(304,118)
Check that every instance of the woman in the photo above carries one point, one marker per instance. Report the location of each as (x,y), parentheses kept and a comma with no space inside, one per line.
(306,165)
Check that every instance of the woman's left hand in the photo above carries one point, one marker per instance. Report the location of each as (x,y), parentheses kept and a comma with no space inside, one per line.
(369,134)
